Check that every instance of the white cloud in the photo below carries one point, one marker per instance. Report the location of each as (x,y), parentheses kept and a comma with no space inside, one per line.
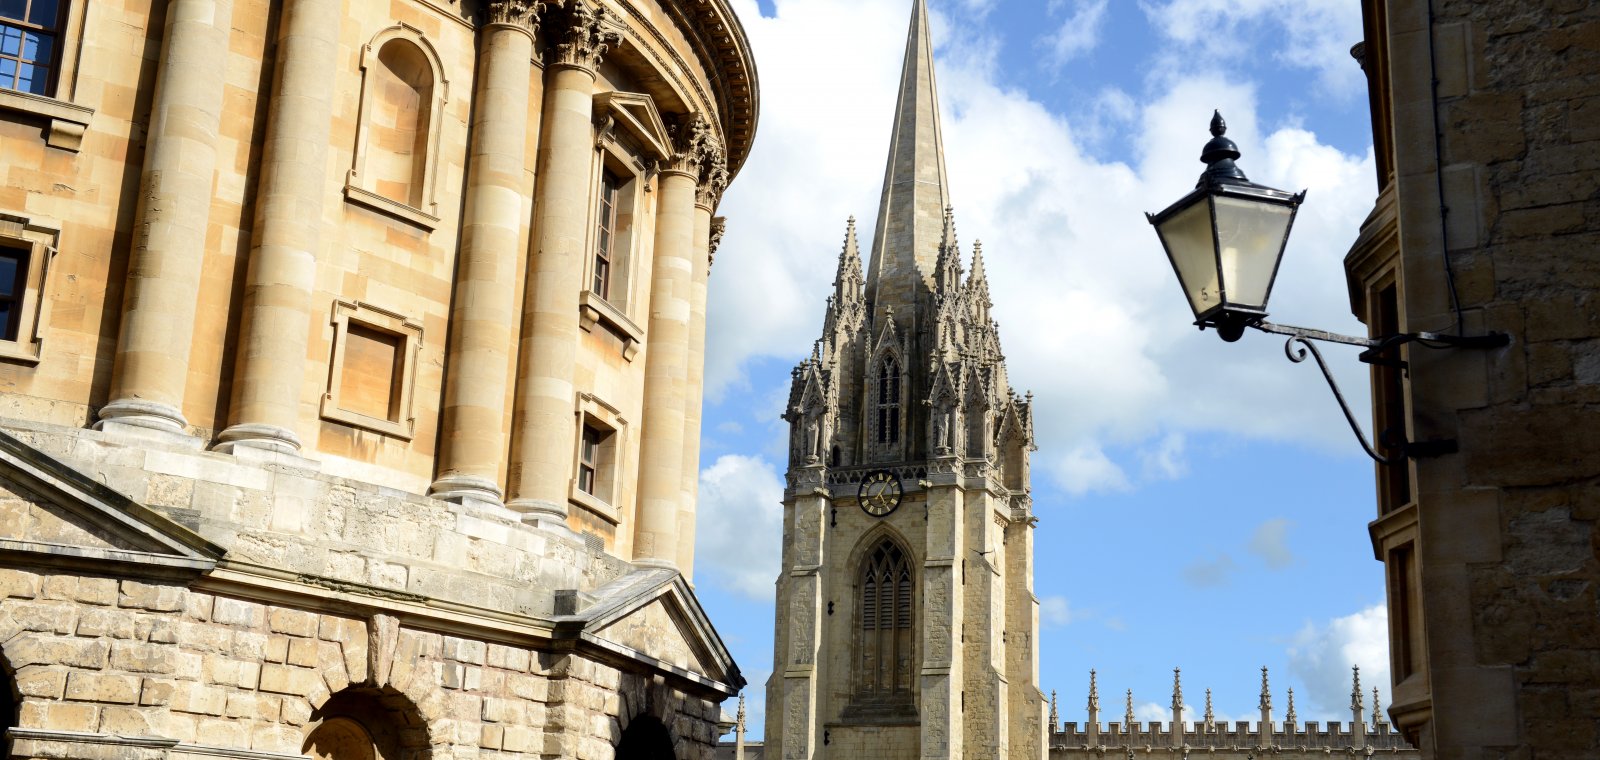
(1270,542)
(1322,655)
(1054,612)
(1079,32)
(740,525)
(1210,573)
(1087,469)
(1305,34)
(1165,459)
(1090,313)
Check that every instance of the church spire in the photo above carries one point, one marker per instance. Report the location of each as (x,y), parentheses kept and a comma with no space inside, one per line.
(847,282)
(905,244)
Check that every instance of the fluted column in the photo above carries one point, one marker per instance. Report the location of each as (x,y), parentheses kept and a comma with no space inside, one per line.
(158,310)
(478,368)
(294,186)
(656,522)
(544,428)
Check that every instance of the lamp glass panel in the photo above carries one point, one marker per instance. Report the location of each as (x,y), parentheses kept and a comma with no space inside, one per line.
(1193,251)
(1250,236)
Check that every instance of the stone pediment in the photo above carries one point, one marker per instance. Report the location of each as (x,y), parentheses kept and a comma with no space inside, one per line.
(636,113)
(53,515)
(653,616)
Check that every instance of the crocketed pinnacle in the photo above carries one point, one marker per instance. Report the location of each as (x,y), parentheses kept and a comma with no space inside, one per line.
(905,244)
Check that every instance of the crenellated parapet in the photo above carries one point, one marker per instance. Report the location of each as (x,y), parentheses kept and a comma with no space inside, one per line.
(1218,740)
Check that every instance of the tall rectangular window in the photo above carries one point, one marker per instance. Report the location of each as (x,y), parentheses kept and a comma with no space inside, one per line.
(1406,630)
(605,233)
(1394,480)
(13,284)
(589,459)
(29,32)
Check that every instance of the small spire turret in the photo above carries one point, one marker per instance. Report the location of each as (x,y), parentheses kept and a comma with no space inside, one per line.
(1055,719)
(1290,718)
(1127,717)
(1355,689)
(1211,718)
(1266,693)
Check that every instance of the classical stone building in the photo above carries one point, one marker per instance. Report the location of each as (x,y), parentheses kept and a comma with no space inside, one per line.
(350,366)
(906,621)
(1287,740)
(1486,124)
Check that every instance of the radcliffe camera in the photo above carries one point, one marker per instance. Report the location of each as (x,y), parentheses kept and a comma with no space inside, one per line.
(799,380)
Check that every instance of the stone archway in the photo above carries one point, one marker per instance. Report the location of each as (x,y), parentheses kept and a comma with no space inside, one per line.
(646,738)
(366,723)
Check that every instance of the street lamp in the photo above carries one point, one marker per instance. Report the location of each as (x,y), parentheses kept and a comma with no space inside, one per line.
(1225,240)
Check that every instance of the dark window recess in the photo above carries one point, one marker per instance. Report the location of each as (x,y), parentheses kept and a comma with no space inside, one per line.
(886,608)
(1394,480)
(889,401)
(29,31)
(589,458)
(605,234)
(13,282)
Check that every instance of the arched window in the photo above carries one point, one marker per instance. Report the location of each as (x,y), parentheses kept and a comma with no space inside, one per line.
(403,92)
(886,604)
(889,401)
(397,134)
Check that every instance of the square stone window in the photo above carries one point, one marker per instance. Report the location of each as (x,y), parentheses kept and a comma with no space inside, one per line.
(601,445)
(373,370)
(26,253)
(38,60)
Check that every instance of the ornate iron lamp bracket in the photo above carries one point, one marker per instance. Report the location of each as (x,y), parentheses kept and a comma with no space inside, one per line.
(1375,348)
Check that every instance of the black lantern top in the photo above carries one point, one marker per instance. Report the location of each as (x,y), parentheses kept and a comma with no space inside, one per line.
(1225,239)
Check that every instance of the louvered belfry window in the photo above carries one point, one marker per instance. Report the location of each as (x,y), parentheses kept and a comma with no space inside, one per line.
(889,401)
(886,644)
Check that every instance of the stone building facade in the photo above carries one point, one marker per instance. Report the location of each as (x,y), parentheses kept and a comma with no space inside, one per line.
(350,370)
(906,621)
(1486,221)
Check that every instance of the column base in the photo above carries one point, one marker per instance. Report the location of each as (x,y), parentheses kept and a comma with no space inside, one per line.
(152,415)
(253,435)
(468,489)
(542,514)
(657,564)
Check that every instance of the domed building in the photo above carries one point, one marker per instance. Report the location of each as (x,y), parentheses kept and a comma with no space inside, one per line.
(350,372)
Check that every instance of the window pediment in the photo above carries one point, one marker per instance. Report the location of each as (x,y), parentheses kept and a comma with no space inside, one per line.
(635,113)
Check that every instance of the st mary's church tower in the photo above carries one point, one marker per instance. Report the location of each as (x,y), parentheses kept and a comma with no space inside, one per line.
(906,621)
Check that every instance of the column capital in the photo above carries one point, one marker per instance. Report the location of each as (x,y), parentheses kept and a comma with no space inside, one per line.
(584,34)
(522,15)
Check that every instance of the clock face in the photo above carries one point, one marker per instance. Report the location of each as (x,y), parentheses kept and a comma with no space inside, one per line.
(880,493)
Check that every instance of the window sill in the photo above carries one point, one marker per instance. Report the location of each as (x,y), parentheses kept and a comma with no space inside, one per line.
(396,209)
(593,504)
(596,310)
(332,413)
(67,121)
(19,353)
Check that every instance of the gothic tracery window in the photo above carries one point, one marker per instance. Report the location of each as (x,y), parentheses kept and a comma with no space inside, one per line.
(889,401)
(886,639)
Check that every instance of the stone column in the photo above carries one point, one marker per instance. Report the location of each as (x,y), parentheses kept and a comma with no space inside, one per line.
(656,522)
(707,233)
(152,361)
(543,432)
(294,187)
(478,368)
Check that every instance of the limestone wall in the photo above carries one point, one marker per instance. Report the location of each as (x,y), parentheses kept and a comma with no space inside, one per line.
(99,662)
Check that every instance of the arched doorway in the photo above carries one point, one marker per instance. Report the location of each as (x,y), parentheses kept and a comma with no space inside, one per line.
(646,738)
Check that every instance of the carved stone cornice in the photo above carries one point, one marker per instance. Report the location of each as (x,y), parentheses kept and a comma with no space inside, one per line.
(584,34)
(521,14)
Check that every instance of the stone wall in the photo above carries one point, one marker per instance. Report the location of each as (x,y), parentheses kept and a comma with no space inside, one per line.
(98,661)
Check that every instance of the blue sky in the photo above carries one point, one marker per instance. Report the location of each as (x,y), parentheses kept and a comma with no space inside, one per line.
(1202,505)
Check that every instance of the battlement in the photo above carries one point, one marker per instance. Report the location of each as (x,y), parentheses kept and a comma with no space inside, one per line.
(1243,735)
